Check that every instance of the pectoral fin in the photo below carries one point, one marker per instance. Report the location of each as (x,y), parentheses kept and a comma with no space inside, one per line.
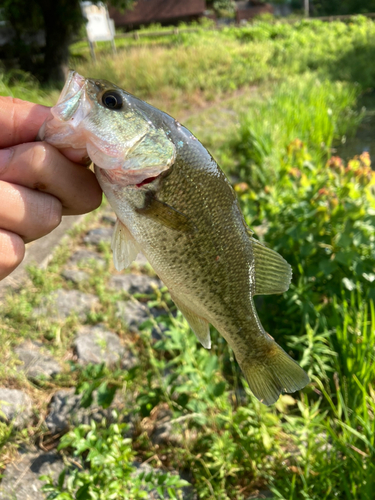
(124,247)
(272,273)
(200,326)
(166,215)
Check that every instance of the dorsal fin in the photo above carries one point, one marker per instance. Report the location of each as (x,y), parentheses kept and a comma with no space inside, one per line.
(271,272)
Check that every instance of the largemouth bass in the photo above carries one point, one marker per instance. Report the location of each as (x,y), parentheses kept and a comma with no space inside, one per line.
(175,205)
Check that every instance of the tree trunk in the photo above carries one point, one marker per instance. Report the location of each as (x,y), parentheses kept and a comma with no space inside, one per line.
(61,20)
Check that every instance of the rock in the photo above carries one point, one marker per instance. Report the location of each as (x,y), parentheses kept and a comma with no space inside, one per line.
(85,257)
(99,235)
(164,433)
(96,345)
(35,363)
(134,283)
(75,275)
(65,411)
(134,313)
(21,479)
(16,406)
(109,218)
(62,303)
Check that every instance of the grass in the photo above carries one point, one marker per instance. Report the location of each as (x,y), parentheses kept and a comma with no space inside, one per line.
(21,85)
(207,65)
(268,100)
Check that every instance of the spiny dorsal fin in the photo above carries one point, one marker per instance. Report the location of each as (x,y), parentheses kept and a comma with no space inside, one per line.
(272,273)
(200,326)
(124,247)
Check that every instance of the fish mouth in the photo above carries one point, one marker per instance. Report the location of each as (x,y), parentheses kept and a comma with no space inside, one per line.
(63,127)
(72,98)
(146,181)
(117,176)
(74,84)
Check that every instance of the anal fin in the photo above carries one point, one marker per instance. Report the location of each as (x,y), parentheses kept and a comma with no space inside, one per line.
(271,271)
(200,326)
(124,247)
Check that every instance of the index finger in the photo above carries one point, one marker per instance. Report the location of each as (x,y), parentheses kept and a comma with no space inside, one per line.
(20,121)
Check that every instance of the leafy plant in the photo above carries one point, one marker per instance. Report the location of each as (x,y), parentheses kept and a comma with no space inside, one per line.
(99,380)
(105,468)
(321,219)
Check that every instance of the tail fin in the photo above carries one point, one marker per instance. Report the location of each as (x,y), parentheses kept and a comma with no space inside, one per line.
(272,373)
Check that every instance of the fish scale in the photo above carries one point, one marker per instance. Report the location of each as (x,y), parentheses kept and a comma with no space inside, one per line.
(175,205)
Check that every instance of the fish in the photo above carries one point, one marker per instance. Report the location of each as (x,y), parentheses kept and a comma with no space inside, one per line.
(176,206)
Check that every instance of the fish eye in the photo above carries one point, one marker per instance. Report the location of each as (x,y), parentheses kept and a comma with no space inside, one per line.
(112,99)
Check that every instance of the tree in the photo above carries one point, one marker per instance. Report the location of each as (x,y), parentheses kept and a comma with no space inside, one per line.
(341,7)
(59,20)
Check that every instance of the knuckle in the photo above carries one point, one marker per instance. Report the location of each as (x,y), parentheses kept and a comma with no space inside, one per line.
(41,154)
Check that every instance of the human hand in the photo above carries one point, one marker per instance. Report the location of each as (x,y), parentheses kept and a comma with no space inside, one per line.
(38,184)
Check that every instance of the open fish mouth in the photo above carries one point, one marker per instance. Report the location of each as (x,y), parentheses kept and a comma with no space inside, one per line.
(62,128)
(130,146)
(72,98)
(74,84)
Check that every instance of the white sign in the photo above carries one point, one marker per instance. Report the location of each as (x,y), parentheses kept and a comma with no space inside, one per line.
(99,27)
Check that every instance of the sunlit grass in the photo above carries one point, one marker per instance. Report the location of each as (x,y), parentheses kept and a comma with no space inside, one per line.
(305,107)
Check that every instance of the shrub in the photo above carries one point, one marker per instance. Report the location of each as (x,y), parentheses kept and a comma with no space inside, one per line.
(322,220)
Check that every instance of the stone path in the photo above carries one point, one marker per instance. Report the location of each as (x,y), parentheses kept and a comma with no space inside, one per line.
(92,344)
(35,363)
(21,479)
(15,407)
(39,252)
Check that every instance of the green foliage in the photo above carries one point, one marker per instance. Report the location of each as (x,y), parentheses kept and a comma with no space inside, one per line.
(21,85)
(335,435)
(224,7)
(99,378)
(187,66)
(321,219)
(342,7)
(106,468)
(353,340)
(234,430)
(315,111)
(310,448)
(316,210)
(189,381)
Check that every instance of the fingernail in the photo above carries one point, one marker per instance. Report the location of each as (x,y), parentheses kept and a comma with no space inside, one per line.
(5,156)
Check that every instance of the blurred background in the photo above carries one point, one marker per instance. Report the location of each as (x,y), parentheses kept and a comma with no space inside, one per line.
(282,95)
